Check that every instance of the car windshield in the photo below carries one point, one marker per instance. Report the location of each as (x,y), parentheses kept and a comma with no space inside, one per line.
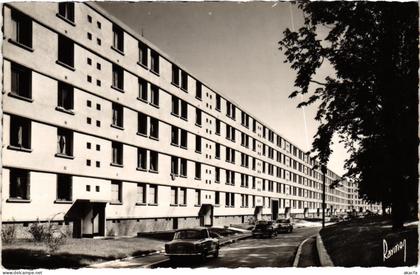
(283,221)
(190,234)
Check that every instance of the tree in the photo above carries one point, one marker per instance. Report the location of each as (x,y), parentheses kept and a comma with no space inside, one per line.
(371,99)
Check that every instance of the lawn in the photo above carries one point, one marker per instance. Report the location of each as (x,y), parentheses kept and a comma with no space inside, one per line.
(360,243)
(75,253)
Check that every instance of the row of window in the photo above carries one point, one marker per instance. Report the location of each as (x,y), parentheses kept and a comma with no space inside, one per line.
(20,132)
(21,80)
(146,193)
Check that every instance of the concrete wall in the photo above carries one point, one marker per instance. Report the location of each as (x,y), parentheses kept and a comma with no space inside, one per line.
(128,216)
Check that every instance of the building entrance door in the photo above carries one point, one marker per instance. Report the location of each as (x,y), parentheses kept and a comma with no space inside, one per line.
(258,213)
(88,218)
(274,210)
(206,215)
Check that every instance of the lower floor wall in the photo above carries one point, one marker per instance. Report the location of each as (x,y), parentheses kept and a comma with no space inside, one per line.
(131,227)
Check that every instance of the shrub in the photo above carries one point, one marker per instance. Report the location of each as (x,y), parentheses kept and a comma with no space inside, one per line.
(111,233)
(37,231)
(8,233)
(53,237)
(49,234)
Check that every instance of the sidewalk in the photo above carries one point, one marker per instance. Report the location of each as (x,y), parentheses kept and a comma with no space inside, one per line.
(309,254)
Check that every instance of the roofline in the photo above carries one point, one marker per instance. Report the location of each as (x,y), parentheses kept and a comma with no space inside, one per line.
(137,36)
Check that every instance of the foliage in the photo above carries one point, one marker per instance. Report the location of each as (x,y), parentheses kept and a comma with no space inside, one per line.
(49,234)
(37,231)
(8,233)
(370,101)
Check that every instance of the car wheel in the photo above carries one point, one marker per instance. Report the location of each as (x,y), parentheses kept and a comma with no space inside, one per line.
(173,258)
(203,255)
(216,253)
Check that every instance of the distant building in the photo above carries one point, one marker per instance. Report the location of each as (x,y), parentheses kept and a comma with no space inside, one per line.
(104,133)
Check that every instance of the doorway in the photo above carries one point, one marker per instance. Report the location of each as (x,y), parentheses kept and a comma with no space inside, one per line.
(274,210)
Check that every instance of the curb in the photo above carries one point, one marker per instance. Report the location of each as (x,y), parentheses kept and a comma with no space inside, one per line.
(145,254)
(324,257)
(299,251)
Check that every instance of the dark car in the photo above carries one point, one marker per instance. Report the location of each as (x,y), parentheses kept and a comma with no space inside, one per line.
(284,225)
(265,229)
(193,242)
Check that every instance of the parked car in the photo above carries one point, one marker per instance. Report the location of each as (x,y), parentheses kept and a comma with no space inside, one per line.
(264,229)
(284,225)
(193,242)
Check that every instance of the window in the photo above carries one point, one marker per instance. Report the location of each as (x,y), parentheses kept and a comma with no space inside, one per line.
(218,102)
(217,174)
(154,95)
(154,62)
(19,184)
(21,85)
(230,199)
(117,153)
(183,196)
(117,77)
(183,170)
(198,117)
(66,10)
(245,119)
(184,81)
(142,89)
(244,180)
(217,198)
(117,115)
(65,51)
(142,54)
(197,170)
(141,193)
(64,142)
(154,128)
(174,136)
(174,165)
(198,144)
(198,90)
(22,29)
(175,106)
(197,197)
(175,75)
(118,38)
(154,161)
(142,124)
(20,132)
(64,188)
(184,110)
(230,110)
(217,148)
(174,195)
(153,194)
(184,139)
(230,155)
(142,159)
(230,177)
(217,127)
(116,191)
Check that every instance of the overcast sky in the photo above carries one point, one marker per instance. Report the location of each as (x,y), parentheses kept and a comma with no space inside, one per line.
(232,47)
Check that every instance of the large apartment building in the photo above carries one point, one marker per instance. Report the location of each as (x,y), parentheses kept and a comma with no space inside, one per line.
(103,133)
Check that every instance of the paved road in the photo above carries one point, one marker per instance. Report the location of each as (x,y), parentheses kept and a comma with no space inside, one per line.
(277,252)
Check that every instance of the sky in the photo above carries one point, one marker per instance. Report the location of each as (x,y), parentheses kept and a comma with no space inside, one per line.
(233,48)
